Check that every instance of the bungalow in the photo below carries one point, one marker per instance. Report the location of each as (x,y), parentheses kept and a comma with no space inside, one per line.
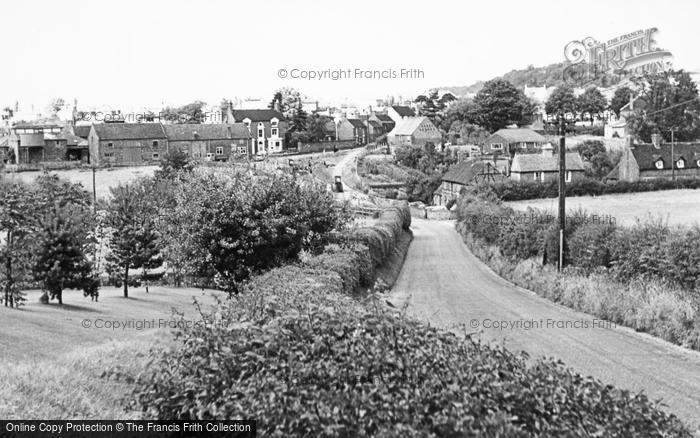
(267,128)
(508,141)
(544,167)
(218,141)
(398,113)
(127,143)
(647,161)
(465,174)
(414,131)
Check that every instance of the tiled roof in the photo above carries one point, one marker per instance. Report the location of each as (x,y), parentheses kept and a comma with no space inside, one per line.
(218,131)
(384,118)
(404,111)
(408,126)
(646,155)
(256,115)
(375,124)
(541,163)
(516,135)
(463,173)
(357,123)
(129,131)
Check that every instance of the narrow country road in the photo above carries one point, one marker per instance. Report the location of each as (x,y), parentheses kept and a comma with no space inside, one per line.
(444,283)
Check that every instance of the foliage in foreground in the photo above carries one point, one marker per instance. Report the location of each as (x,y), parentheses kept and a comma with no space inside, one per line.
(300,355)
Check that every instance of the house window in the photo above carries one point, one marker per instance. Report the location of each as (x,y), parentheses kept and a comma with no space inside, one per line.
(273,132)
(539,176)
(260,132)
(219,150)
(109,154)
(659,164)
(277,144)
(261,129)
(110,145)
(156,156)
(498,146)
(155,143)
(568,176)
(242,150)
(680,163)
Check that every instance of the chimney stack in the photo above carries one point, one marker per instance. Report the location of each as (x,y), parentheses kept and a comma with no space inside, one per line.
(548,150)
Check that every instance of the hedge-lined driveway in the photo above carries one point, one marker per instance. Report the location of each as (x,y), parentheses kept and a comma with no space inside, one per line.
(444,283)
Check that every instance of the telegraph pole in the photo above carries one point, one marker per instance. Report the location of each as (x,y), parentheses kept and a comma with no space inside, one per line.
(673,159)
(562,191)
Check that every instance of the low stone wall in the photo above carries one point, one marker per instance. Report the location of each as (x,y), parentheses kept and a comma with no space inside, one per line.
(420,210)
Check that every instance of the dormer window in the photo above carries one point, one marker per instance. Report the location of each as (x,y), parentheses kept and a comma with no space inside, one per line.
(659,164)
(274,122)
(680,163)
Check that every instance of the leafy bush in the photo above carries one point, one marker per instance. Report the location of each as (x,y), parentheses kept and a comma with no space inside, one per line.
(590,246)
(299,375)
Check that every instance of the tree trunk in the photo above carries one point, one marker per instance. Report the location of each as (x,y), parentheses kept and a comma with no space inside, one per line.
(59,295)
(126,282)
(9,299)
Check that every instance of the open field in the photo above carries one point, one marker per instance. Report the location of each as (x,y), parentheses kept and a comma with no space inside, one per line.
(104,178)
(678,207)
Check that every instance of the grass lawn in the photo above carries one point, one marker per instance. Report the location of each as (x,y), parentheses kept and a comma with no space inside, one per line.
(678,207)
(53,367)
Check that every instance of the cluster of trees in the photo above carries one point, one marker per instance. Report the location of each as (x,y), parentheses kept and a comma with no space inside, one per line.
(498,104)
(431,165)
(47,239)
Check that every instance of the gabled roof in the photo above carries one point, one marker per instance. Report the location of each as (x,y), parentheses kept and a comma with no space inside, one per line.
(541,163)
(375,124)
(517,135)
(384,118)
(464,172)
(647,155)
(129,131)
(194,131)
(256,115)
(404,111)
(409,125)
(357,123)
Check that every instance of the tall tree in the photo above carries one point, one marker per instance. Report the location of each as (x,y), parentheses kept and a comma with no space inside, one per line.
(670,101)
(620,99)
(60,247)
(299,120)
(562,102)
(592,102)
(288,101)
(15,209)
(499,104)
(134,240)
(189,113)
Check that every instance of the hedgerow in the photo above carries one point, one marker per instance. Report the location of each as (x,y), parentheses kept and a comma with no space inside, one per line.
(519,191)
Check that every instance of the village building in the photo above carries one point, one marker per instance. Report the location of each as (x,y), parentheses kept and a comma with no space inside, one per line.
(648,161)
(375,129)
(127,143)
(464,174)
(267,128)
(351,130)
(216,142)
(509,141)
(387,122)
(414,131)
(544,167)
(29,143)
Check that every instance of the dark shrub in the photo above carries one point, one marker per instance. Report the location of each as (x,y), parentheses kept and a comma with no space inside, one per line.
(637,250)
(681,256)
(522,236)
(590,245)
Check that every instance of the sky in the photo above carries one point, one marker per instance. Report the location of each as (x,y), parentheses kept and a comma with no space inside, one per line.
(134,54)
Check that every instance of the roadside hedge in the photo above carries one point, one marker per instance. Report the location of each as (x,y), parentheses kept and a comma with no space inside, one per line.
(521,191)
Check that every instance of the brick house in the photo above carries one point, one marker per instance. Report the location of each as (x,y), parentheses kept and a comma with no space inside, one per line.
(127,143)
(375,129)
(217,141)
(508,141)
(267,128)
(544,167)
(351,130)
(414,131)
(646,161)
(387,122)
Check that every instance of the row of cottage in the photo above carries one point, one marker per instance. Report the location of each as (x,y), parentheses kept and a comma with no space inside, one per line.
(524,155)
(244,133)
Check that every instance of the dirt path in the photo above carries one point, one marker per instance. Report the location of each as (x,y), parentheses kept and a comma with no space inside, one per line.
(444,283)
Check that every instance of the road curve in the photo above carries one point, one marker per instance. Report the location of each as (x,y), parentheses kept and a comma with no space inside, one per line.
(444,283)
